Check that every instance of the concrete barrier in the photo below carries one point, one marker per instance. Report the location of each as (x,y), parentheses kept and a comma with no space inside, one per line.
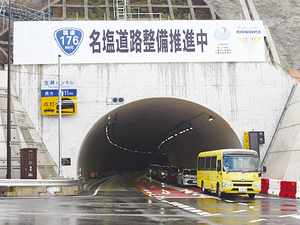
(264,185)
(274,187)
(280,188)
(288,189)
(298,190)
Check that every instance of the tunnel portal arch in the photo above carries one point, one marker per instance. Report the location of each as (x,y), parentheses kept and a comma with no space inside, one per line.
(154,130)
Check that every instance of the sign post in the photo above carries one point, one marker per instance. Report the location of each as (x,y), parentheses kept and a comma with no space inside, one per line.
(8,160)
(59,117)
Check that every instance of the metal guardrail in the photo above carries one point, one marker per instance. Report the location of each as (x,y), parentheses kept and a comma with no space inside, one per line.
(38,183)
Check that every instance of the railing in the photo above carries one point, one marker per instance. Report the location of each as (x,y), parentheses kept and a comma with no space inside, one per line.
(146,16)
(21,12)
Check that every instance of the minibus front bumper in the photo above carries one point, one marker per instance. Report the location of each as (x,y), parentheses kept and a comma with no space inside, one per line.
(241,187)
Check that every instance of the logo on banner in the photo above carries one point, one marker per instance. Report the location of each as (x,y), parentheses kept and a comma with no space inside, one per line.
(68,39)
(222,34)
(249,37)
(249,43)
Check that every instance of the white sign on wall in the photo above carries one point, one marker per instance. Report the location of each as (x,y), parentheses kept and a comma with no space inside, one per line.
(40,42)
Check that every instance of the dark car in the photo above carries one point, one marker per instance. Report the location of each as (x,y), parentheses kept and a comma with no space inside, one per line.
(172,174)
(153,170)
(162,173)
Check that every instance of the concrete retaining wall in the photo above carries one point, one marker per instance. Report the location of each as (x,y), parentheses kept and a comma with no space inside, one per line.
(249,96)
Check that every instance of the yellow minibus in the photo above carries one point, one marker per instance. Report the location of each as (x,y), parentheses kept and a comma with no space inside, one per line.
(229,171)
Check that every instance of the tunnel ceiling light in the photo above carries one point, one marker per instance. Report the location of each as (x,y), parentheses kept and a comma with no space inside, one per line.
(126,149)
(173,136)
(211,118)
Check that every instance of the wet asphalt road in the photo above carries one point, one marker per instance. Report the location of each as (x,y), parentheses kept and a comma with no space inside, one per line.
(118,201)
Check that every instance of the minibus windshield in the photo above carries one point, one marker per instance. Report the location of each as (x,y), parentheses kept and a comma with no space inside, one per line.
(240,163)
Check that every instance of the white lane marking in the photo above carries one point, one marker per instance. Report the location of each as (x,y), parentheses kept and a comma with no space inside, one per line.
(242,204)
(288,215)
(296,216)
(259,220)
(188,208)
(204,214)
(217,214)
(183,206)
(196,211)
(175,203)
(239,211)
(96,192)
(165,192)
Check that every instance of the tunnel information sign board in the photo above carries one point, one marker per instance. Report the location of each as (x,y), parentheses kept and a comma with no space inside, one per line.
(49,97)
(138,41)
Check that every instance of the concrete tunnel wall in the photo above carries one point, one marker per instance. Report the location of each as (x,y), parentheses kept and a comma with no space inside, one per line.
(247,96)
(282,161)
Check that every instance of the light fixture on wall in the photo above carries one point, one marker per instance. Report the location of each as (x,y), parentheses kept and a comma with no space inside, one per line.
(211,118)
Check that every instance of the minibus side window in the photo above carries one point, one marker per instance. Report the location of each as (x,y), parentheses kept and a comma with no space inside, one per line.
(207,163)
(202,163)
(213,162)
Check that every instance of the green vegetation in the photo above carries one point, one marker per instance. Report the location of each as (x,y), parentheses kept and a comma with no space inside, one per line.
(175,10)
(96,13)
(186,16)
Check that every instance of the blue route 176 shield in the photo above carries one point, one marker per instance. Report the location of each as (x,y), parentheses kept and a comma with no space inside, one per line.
(68,39)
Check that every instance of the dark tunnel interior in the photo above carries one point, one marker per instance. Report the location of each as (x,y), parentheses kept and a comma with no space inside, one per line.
(155,130)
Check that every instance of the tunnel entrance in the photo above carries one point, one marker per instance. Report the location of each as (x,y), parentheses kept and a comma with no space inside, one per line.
(156,130)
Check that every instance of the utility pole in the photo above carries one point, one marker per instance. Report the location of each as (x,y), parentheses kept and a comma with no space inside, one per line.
(8,174)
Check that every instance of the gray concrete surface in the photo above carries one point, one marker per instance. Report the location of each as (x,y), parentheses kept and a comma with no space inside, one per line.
(282,161)
(129,206)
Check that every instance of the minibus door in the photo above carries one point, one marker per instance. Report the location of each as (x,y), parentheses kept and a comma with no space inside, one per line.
(219,169)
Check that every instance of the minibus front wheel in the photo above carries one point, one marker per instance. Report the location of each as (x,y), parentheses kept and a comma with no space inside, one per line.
(204,191)
(219,191)
(251,196)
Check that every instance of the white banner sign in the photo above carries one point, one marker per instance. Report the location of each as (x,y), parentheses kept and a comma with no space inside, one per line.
(40,42)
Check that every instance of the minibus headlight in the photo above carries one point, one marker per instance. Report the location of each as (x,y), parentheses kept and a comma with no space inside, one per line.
(257,185)
(226,185)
